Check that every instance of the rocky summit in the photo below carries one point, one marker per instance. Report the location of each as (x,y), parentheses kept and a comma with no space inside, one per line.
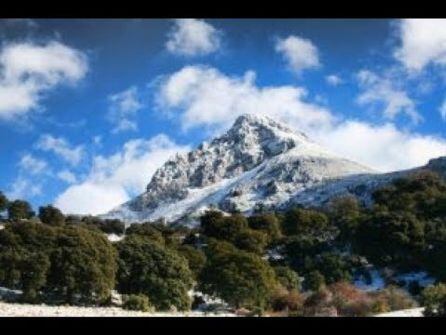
(258,164)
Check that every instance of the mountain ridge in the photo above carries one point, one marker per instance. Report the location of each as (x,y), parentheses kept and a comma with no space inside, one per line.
(258,163)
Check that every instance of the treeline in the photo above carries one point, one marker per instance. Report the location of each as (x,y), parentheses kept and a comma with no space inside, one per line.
(300,262)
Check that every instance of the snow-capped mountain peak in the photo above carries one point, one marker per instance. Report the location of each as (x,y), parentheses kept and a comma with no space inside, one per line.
(257,161)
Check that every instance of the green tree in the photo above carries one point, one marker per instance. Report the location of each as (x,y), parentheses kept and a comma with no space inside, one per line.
(160,273)
(300,221)
(195,258)
(240,278)
(252,241)
(228,228)
(3,202)
(433,298)
(314,280)
(51,215)
(268,223)
(83,264)
(288,278)
(19,209)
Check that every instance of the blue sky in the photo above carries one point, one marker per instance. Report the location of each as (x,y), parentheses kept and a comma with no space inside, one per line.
(90,108)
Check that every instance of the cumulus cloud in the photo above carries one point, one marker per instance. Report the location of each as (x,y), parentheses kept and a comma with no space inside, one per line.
(24,188)
(298,52)
(67,176)
(123,107)
(191,37)
(32,165)
(62,148)
(381,91)
(201,96)
(383,147)
(115,179)
(29,70)
(422,42)
(333,80)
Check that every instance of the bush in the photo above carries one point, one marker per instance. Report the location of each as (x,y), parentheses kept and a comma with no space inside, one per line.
(288,278)
(70,263)
(51,215)
(314,281)
(147,267)
(3,202)
(284,300)
(147,230)
(304,221)
(19,210)
(396,298)
(195,258)
(136,302)
(268,223)
(240,278)
(433,298)
(252,241)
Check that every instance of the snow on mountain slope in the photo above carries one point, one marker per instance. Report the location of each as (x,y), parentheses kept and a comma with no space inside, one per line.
(258,162)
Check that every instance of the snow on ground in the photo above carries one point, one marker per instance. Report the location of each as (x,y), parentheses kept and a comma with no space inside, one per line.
(412,312)
(114,237)
(27,310)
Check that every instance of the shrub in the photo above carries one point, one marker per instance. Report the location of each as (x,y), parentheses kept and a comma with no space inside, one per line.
(288,278)
(284,300)
(147,267)
(19,209)
(314,281)
(136,302)
(70,263)
(268,223)
(396,298)
(433,298)
(195,258)
(51,215)
(240,278)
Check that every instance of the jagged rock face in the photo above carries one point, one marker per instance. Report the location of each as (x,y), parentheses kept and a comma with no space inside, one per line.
(247,144)
(258,162)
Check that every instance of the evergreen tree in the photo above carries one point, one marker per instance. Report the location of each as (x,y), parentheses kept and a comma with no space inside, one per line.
(147,267)
(51,215)
(240,278)
(19,209)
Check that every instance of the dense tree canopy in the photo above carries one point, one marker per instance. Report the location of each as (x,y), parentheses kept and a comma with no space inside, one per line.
(147,267)
(70,263)
(51,215)
(19,209)
(241,278)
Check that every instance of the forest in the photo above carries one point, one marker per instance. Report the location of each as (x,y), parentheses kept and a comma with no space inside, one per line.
(301,262)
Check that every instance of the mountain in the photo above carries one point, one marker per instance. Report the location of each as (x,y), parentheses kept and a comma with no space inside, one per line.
(258,163)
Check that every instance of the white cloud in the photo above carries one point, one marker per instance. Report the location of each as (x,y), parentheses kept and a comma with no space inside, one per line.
(23,188)
(191,37)
(382,91)
(383,147)
(333,80)
(32,165)
(67,176)
(115,179)
(123,107)
(60,147)
(423,42)
(298,52)
(29,70)
(201,96)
